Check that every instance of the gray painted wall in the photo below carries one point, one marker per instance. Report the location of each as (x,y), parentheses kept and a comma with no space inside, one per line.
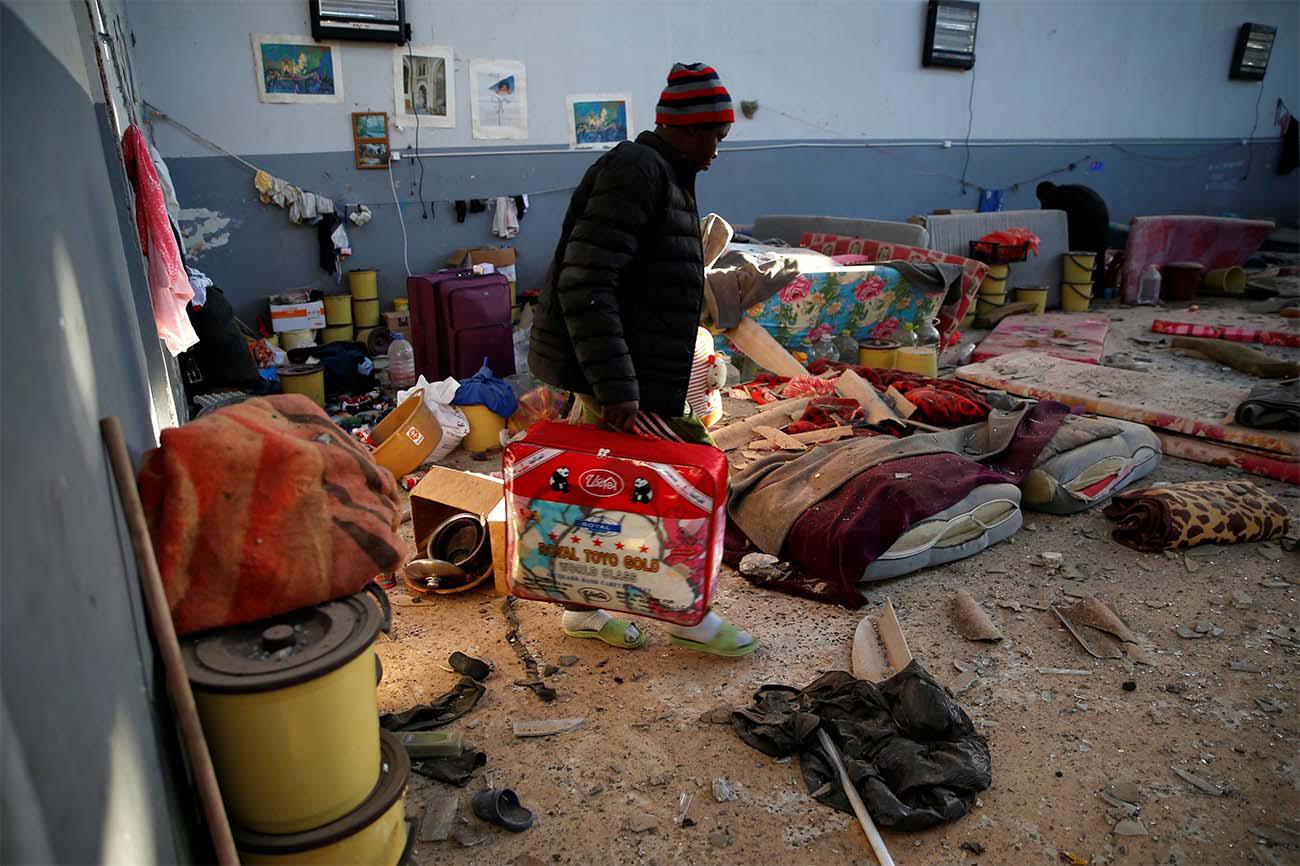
(88,749)
(1059,72)
(265,253)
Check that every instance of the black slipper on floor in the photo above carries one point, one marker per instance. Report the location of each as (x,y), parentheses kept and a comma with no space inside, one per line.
(501,806)
(469,666)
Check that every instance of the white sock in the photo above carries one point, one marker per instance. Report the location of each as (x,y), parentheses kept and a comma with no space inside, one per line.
(707,630)
(594,620)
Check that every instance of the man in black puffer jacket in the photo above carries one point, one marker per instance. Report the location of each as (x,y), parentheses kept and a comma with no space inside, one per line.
(618,316)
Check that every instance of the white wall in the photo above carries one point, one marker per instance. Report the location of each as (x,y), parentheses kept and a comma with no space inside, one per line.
(1046,69)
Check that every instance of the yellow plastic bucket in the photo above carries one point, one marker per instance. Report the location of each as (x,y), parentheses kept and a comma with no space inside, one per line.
(1076,297)
(995,281)
(336,334)
(401,305)
(363,285)
(1036,294)
(877,353)
(297,339)
(987,302)
(406,436)
(376,833)
(365,313)
(1077,267)
(485,428)
(338,310)
(1228,281)
(917,359)
(290,714)
(305,379)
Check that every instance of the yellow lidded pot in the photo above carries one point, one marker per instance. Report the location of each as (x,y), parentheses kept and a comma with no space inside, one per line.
(376,833)
(289,711)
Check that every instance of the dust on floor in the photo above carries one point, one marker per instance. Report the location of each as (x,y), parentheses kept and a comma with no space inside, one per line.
(1222,708)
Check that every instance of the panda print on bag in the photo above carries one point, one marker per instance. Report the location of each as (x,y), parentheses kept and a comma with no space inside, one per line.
(560,480)
(641,491)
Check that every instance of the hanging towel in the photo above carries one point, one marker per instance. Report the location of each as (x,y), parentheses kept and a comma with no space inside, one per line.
(169,284)
(505,220)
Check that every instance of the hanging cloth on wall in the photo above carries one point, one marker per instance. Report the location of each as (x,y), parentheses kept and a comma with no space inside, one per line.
(169,284)
(303,207)
(505,219)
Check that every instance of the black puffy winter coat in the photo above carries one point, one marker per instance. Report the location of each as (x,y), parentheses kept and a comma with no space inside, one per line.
(618,315)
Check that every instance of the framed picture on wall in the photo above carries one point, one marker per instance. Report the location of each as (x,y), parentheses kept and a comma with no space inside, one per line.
(424,86)
(599,120)
(498,99)
(296,69)
(370,139)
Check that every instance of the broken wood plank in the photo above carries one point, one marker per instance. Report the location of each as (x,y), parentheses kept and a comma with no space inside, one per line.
(854,387)
(546,727)
(868,663)
(901,405)
(891,634)
(811,437)
(762,348)
(739,433)
(780,438)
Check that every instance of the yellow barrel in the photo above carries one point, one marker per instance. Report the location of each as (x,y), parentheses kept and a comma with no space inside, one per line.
(340,334)
(1227,281)
(995,281)
(1077,267)
(305,379)
(917,359)
(401,305)
(297,339)
(376,832)
(877,353)
(1036,294)
(365,312)
(987,303)
(363,285)
(290,713)
(485,428)
(338,310)
(1075,297)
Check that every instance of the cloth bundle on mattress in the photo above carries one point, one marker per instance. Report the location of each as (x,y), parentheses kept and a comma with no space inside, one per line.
(869,509)
(1087,461)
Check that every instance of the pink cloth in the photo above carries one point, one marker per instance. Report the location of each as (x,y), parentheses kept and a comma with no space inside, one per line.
(169,284)
(1215,242)
(1235,333)
(858,251)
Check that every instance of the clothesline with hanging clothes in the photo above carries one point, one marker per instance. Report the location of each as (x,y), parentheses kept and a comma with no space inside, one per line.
(162,115)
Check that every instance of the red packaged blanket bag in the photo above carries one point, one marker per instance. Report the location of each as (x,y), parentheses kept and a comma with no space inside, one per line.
(615,521)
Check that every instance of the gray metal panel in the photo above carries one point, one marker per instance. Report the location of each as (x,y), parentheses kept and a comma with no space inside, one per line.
(791,228)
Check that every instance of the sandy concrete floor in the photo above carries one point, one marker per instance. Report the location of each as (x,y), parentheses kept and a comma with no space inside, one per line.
(1057,740)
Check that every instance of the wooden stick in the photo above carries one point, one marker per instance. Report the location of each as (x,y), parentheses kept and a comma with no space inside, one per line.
(780,439)
(777,414)
(811,437)
(903,406)
(754,340)
(853,386)
(160,622)
(859,808)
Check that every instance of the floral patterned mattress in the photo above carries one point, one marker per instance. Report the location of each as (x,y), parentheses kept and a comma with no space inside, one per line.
(868,301)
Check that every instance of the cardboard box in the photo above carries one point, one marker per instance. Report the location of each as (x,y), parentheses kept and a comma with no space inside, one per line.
(297,317)
(397,321)
(445,492)
(502,259)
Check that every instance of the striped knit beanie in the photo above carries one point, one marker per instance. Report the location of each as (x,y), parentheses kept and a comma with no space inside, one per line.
(694,96)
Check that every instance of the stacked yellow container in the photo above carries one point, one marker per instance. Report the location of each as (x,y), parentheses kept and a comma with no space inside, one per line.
(291,717)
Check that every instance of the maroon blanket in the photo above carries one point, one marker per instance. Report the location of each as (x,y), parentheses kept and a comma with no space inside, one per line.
(834,541)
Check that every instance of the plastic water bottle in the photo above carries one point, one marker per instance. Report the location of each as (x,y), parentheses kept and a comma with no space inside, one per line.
(847,347)
(823,349)
(401,363)
(1149,286)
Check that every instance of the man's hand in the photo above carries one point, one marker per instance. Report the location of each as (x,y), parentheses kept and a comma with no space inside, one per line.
(620,415)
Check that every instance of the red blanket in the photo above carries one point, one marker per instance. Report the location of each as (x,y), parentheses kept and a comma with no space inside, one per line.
(265,507)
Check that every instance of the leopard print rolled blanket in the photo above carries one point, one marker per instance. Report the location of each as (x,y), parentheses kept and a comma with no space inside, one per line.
(1196,512)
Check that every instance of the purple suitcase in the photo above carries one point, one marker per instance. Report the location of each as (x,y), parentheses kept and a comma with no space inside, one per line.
(458,318)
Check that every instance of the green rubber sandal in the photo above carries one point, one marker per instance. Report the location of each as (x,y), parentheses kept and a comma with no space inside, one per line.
(723,643)
(613,632)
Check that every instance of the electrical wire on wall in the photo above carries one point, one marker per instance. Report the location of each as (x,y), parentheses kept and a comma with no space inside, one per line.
(970,125)
(401,219)
(1250,140)
(415,109)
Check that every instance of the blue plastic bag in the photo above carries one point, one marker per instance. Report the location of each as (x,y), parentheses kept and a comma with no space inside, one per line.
(485,388)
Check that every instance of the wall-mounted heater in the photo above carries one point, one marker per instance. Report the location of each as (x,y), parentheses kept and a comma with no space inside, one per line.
(365,20)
